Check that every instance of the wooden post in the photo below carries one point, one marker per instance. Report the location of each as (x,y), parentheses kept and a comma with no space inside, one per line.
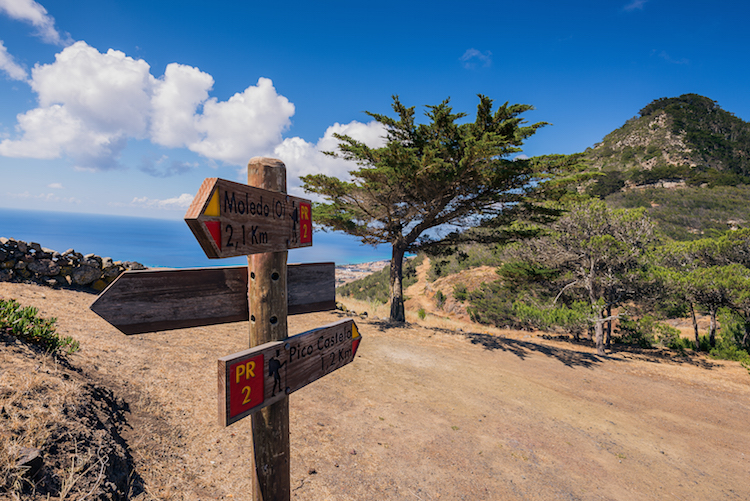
(267,303)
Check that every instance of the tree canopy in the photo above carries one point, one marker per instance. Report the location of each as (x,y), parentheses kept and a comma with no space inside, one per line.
(443,173)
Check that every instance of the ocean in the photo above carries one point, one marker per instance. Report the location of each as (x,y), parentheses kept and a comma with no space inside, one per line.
(159,242)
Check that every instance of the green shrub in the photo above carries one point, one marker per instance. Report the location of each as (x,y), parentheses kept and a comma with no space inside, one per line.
(490,306)
(729,340)
(421,313)
(460,293)
(647,332)
(439,300)
(469,256)
(25,323)
(639,332)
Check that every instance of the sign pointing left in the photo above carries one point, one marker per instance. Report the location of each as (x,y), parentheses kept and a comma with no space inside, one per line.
(232,219)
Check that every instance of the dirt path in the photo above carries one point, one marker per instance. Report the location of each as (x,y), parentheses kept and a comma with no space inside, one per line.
(417,293)
(424,414)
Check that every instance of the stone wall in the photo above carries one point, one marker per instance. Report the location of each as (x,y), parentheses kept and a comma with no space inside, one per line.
(30,262)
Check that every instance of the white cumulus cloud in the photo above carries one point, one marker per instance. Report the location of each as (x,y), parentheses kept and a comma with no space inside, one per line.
(248,122)
(175,100)
(92,103)
(34,14)
(302,157)
(634,5)
(9,65)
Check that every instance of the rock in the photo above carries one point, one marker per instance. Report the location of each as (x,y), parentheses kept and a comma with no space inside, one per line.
(68,252)
(21,245)
(3,254)
(84,275)
(93,261)
(36,247)
(107,262)
(132,265)
(7,265)
(20,265)
(30,460)
(111,273)
(6,275)
(45,267)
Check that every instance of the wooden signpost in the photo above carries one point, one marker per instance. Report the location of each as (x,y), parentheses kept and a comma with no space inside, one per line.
(261,221)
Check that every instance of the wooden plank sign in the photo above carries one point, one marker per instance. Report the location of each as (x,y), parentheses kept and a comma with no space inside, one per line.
(159,300)
(232,219)
(253,379)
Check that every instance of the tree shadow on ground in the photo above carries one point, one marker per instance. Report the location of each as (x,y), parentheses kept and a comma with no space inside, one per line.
(571,357)
(522,349)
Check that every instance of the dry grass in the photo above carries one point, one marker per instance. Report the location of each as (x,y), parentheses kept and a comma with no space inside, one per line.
(32,399)
(422,413)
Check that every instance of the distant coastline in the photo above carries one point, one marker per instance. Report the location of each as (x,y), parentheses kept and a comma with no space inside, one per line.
(160,243)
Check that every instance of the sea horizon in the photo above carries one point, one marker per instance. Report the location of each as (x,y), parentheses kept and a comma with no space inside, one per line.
(163,243)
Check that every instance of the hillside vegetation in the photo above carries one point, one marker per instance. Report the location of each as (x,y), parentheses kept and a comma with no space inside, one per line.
(614,271)
(688,140)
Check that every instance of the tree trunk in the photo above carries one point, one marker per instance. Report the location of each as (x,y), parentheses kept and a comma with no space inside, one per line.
(695,327)
(712,334)
(396,283)
(609,326)
(746,337)
(599,329)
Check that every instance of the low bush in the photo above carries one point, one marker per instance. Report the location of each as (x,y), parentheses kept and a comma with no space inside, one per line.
(26,324)
(439,300)
(460,292)
(729,340)
(647,332)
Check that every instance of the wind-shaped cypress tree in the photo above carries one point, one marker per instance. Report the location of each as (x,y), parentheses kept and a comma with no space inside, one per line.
(439,174)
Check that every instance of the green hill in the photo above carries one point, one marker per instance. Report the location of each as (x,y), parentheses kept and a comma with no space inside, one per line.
(685,159)
(687,140)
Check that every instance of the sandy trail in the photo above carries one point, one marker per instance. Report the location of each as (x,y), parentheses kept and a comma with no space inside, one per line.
(428,414)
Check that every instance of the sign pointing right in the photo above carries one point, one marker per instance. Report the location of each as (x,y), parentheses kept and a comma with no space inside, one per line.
(253,379)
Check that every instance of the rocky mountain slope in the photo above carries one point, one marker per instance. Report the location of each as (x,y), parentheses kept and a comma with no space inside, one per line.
(685,140)
(685,159)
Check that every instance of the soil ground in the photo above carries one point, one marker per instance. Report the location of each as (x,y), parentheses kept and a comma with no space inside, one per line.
(422,413)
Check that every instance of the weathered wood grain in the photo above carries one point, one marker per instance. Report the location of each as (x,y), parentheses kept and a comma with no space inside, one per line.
(267,303)
(157,300)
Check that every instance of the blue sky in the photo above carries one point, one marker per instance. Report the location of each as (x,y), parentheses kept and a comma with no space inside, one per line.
(125,107)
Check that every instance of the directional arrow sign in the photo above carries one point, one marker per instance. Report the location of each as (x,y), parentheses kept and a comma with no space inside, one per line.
(233,219)
(258,377)
(151,300)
